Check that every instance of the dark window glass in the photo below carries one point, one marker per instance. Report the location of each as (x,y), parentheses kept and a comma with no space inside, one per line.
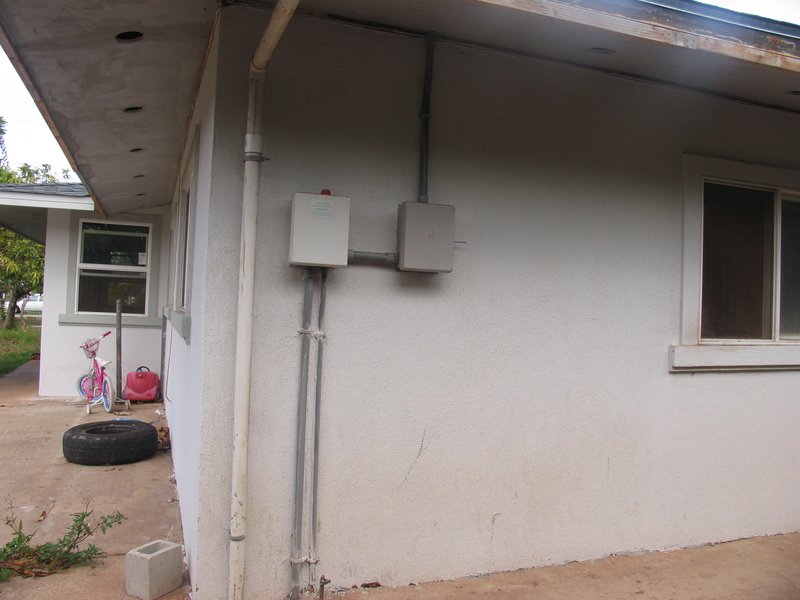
(737,262)
(790,270)
(110,244)
(99,291)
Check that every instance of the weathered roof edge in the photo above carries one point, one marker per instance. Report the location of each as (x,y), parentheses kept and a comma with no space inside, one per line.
(54,189)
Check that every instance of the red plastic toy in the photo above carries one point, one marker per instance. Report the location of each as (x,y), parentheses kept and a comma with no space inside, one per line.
(142,386)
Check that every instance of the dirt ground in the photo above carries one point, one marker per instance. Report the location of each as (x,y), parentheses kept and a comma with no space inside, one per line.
(754,569)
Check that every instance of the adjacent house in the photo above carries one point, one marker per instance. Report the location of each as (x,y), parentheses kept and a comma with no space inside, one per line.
(436,288)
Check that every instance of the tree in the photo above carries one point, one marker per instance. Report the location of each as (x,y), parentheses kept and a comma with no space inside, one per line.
(26,173)
(21,269)
(21,259)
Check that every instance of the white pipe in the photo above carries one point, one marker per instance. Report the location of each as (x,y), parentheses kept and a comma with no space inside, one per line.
(281,15)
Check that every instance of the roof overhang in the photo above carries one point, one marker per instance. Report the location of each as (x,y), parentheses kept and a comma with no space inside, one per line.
(89,84)
(23,207)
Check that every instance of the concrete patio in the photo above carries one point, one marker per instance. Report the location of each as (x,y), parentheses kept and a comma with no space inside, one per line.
(37,479)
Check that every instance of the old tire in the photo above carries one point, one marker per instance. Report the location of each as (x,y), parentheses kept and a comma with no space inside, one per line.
(109,442)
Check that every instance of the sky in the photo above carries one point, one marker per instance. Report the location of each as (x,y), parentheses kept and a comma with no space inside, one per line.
(28,139)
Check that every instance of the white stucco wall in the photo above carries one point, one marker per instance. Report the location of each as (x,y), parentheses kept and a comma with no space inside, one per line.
(520,410)
(189,404)
(62,362)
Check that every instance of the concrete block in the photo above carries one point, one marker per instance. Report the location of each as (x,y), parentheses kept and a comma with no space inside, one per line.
(154,569)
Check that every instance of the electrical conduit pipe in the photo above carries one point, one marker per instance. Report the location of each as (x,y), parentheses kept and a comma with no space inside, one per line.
(281,15)
(300,455)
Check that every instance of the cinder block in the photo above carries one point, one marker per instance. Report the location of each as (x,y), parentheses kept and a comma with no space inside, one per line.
(154,569)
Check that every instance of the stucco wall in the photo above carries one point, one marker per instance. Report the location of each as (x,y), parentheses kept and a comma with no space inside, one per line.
(62,362)
(190,406)
(518,411)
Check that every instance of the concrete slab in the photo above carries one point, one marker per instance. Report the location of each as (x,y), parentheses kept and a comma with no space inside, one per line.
(36,480)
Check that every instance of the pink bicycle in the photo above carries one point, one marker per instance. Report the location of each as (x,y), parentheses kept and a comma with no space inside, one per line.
(95,386)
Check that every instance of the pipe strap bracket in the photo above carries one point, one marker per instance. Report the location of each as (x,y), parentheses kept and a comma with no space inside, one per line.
(314,333)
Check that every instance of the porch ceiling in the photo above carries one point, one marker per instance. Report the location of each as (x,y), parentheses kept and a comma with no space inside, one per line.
(84,79)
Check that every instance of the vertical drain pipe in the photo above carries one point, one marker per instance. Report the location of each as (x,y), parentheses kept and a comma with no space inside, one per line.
(244,340)
(425,116)
(281,15)
(300,460)
(312,553)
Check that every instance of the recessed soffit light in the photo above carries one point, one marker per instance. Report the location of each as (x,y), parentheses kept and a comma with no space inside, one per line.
(127,37)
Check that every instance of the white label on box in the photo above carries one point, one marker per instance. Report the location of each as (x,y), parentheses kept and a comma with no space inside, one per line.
(323,209)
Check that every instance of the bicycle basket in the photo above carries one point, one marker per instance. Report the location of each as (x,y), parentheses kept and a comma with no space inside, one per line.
(90,348)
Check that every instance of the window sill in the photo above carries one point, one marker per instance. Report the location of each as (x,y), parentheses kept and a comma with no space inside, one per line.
(181,322)
(735,357)
(111,320)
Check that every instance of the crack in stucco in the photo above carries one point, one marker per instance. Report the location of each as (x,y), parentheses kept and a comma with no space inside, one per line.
(422,447)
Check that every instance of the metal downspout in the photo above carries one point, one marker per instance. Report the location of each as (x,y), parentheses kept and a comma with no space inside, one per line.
(300,455)
(281,15)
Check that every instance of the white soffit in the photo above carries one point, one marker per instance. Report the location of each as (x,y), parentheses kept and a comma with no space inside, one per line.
(46,201)
(84,78)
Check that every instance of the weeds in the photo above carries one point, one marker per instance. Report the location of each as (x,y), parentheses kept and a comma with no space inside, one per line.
(19,558)
(16,346)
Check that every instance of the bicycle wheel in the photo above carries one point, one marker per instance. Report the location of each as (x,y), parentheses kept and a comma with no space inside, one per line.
(85,385)
(108,394)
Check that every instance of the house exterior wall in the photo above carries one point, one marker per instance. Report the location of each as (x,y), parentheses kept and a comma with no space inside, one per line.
(62,362)
(519,411)
(192,399)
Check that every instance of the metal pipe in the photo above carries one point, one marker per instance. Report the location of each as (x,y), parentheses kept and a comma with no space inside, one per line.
(118,370)
(425,116)
(358,255)
(281,15)
(312,552)
(300,456)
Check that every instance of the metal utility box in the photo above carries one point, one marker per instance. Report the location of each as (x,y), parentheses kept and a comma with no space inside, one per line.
(426,237)
(320,230)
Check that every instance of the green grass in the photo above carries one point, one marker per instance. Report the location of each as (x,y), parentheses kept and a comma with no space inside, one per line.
(16,346)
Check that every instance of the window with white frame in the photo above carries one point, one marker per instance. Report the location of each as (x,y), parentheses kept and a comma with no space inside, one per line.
(751,263)
(740,306)
(113,264)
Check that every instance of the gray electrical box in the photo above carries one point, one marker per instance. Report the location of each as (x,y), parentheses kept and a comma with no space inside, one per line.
(426,237)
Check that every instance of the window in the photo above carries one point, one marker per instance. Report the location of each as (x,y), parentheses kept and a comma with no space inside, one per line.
(182,251)
(113,265)
(183,209)
(740,306)
(751,263)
